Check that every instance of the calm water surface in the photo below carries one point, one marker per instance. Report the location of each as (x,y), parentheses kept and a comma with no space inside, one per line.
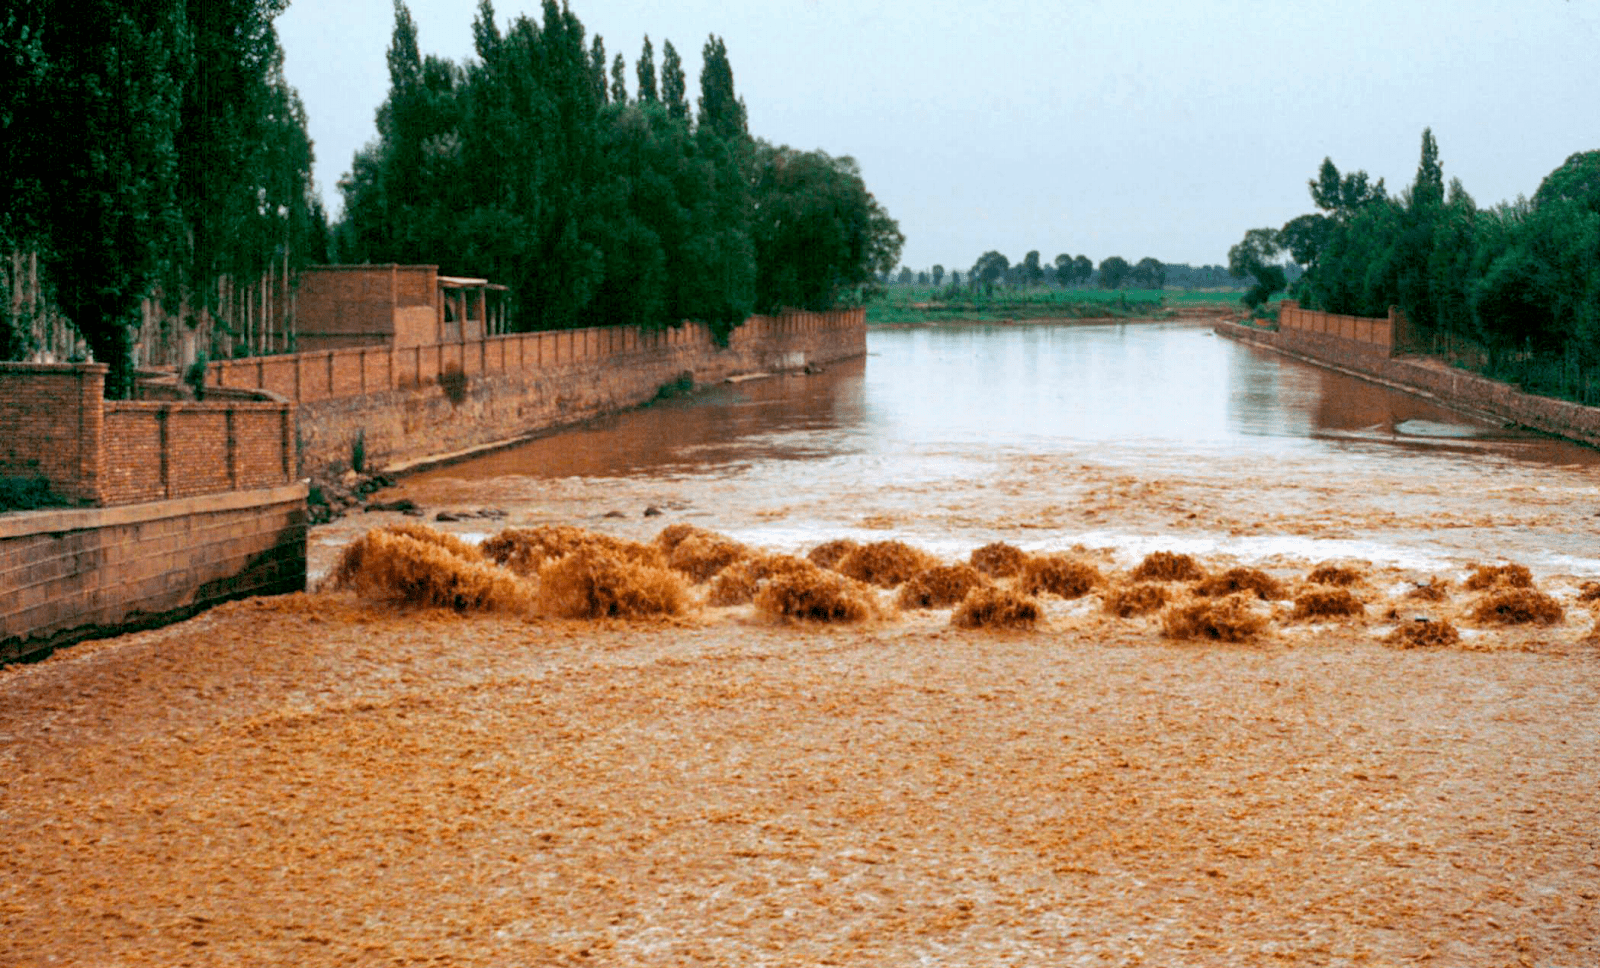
(1046,435)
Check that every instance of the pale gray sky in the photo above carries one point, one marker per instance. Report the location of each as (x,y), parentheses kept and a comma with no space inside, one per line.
(1133,128)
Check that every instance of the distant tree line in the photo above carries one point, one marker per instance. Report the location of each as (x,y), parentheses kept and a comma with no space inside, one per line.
(146,147)
(533,166)
(1069,271)
(1520,280)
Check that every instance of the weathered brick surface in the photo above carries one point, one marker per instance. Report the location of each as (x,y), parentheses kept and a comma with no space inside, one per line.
(347,306)
(544,380)
(416,324)
(1448,385)
(160,450)
(1368,334)
(50,425)
(74,574)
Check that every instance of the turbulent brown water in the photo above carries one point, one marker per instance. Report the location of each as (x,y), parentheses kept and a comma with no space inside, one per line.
(1127,437)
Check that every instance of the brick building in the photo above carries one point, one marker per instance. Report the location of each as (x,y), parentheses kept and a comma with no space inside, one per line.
(343,307)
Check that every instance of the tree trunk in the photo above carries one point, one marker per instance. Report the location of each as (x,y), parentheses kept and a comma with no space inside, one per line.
(112,344)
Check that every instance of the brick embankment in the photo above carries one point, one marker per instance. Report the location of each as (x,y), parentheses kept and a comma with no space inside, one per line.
(1431,379)
(67,575)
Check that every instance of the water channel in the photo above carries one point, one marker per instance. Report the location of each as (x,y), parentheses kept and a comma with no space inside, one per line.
(1119,436)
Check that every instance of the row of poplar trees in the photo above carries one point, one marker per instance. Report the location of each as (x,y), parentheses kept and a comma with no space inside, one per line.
(1513,289)
(148,147)
(532,165)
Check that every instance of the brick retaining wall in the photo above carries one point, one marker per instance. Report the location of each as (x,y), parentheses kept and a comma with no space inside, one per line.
(68,575)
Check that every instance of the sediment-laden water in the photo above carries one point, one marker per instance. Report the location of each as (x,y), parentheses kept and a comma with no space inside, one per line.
(1128,436)
(337,778)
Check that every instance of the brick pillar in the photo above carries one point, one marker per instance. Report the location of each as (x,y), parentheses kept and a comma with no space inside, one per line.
(287,443)
(165,444)
(91,431)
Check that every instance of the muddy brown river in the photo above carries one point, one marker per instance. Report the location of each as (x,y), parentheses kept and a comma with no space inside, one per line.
(1122,437)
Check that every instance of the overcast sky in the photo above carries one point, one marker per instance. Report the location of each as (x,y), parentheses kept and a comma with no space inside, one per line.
(1133,128)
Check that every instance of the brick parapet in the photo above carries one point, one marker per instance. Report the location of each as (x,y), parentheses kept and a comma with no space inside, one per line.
(160,450)
(1364,333)
(362,371)
(99,452)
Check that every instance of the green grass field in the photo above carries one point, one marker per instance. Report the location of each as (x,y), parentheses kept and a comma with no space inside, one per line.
(924,304)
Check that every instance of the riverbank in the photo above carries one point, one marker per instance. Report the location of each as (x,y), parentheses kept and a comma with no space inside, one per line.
(924,306)
(388,406)
(1431,379)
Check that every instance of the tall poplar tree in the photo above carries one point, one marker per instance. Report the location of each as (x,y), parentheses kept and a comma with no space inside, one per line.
(597,69)
(674,87)
(619,83)
(244,156)
(646,70)
(597,209)
(109,129)
(24,74)
(721,110)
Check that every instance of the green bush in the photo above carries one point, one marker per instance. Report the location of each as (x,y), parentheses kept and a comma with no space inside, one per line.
(195,375)
(676,387)
(28,494)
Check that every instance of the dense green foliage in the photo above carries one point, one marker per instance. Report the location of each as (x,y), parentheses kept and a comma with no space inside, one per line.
(1253,259)
(1114,272)
(145,146)
(523,166)
(1512,290)
(28,494)
(913,304)
(1069,272)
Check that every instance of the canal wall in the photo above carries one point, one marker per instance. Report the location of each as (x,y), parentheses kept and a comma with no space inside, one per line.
(402,406)
(1424,376)
(175,505)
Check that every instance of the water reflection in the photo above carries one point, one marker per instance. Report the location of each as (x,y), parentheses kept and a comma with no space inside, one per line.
(726,426)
